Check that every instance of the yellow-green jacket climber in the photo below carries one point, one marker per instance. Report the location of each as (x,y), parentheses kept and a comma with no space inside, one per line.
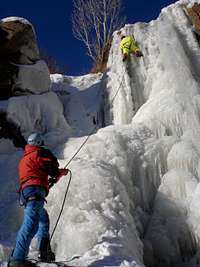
(128,45)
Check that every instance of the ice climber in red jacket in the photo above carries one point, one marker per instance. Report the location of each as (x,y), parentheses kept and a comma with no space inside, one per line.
(37,164)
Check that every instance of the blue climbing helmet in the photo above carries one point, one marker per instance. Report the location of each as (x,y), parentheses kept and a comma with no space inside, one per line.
(36,139)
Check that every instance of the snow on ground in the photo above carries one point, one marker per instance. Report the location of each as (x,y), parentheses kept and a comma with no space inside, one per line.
(134,197)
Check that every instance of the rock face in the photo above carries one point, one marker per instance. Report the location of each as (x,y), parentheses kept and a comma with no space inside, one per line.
(18,41)
(10,130)
(194,15)
(21,70)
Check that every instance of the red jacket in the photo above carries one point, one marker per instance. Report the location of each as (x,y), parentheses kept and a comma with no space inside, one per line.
(35,166)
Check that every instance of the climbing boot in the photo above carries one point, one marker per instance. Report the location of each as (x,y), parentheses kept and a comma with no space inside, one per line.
(17,263)
(125,56)
(46,254)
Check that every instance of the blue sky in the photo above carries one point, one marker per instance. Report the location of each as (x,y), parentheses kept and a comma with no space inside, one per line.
(52,22)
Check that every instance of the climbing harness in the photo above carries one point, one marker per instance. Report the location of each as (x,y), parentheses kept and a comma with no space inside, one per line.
(24,200)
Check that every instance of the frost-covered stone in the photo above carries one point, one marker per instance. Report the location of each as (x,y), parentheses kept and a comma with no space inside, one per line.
(32,79)
(40,113)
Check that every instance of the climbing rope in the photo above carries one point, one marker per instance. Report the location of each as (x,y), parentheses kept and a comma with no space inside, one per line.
(93,129)
(78,150)
(62,207)
(82,145)
(118,87)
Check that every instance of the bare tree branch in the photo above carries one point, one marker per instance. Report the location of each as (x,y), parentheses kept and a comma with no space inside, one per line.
(93,22)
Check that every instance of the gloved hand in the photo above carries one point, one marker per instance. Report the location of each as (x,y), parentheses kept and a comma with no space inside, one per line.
(62,172)
(138,53)
(52,181)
